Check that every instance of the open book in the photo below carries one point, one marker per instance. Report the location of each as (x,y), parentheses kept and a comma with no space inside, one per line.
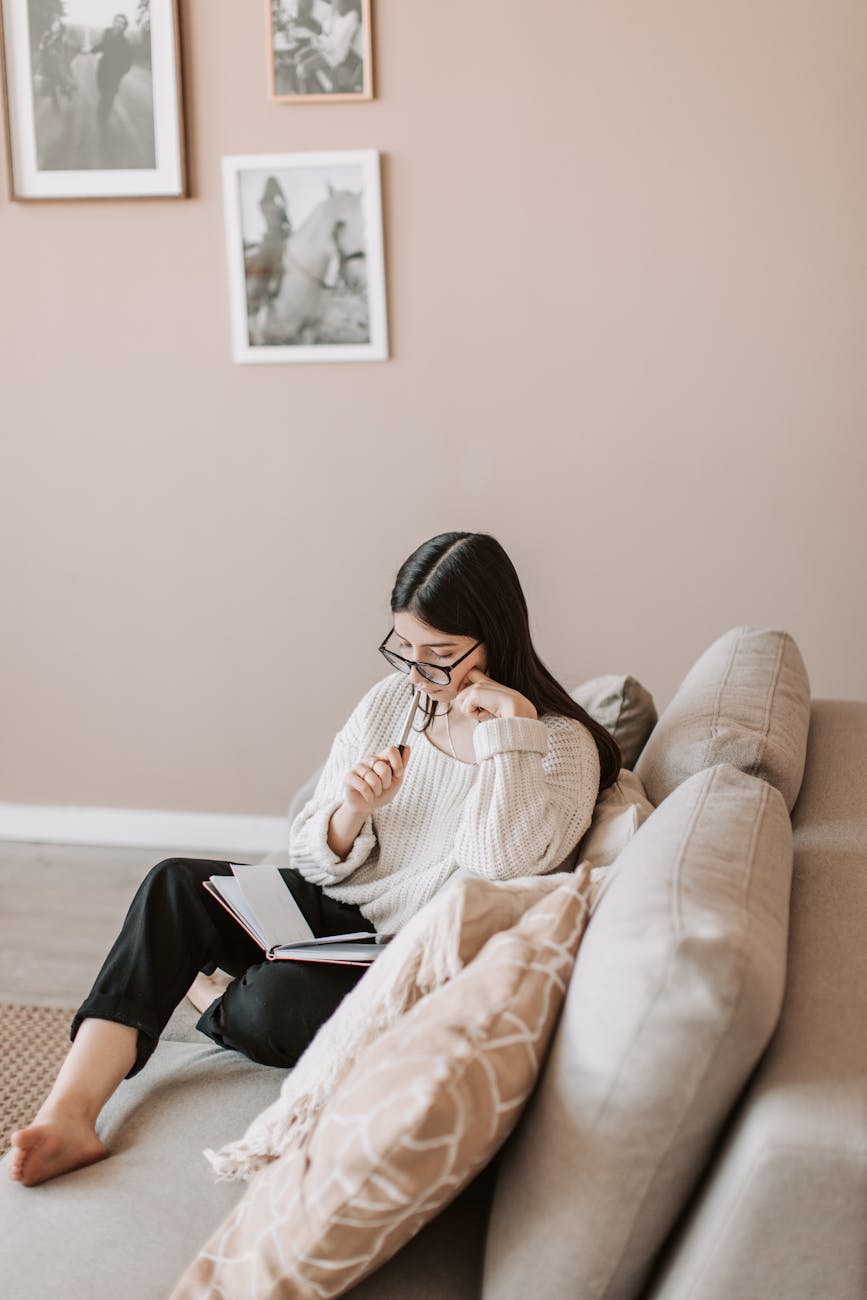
(257,897)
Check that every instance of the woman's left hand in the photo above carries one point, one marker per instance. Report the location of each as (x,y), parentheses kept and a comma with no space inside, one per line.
(480,697)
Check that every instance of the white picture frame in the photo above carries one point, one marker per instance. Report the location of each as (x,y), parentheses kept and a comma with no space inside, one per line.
(304,246)
(94,105)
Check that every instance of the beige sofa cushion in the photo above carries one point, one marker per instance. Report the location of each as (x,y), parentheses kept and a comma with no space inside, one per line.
(127,1226)
(623,707)
(422,1111)
(674,995)
(745,701)
(782,1210)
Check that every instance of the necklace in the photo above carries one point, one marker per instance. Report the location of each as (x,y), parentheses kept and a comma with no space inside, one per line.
(449,733)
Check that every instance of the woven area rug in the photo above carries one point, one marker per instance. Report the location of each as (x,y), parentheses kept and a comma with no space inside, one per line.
(33,1042)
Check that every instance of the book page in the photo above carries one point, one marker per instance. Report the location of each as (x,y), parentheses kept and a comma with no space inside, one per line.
(333,938)
(351,954)
(278,916)
(228,892)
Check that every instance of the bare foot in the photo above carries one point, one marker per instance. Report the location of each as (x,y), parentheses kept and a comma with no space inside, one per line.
(205,989)
(52,1146)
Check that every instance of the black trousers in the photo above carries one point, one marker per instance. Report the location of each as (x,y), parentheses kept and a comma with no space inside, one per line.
(174,928)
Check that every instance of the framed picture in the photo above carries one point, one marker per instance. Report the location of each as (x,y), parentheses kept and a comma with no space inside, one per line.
(319,50)
(306,266)
(93,98)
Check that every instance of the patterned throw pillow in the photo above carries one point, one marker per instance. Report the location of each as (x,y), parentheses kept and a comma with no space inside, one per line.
(431,949)
(424,1109)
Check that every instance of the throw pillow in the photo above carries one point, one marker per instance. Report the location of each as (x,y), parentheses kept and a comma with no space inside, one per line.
(623,707)
(432,948)
(745,701)
(619,812)
(425,1107)
(676,990)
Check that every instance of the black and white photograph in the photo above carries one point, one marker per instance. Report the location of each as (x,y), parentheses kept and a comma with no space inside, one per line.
(320,50)
(305,255)
(94,103)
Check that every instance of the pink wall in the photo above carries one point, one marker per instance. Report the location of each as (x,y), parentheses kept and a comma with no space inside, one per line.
(627,283)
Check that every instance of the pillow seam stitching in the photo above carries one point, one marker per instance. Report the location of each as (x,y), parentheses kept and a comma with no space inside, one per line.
(769,706)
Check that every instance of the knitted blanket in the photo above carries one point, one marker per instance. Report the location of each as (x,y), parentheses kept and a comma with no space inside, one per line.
(432,948)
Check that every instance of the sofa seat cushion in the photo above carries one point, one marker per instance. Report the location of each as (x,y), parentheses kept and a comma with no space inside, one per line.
(128,1225)
(675,992)
(745,701)
(784,1211)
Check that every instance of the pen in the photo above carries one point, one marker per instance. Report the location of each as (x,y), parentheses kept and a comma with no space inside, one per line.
(416,696)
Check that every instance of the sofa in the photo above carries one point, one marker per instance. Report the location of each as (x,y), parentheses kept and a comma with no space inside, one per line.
(698,1127)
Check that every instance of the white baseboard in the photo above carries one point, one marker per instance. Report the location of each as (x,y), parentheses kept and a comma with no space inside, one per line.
(136,828)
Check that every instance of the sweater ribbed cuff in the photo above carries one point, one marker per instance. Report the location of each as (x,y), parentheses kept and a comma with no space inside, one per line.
(504,735)
(324,856)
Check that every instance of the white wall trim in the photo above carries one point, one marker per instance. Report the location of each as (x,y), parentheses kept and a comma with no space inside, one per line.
(138,828)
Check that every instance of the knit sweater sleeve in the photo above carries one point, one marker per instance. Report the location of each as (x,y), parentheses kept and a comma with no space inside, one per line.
(309,852)
(537,785)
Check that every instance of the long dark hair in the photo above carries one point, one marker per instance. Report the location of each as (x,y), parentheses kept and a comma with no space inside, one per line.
(465,584)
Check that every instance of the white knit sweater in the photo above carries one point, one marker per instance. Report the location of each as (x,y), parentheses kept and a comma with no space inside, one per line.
(519,810)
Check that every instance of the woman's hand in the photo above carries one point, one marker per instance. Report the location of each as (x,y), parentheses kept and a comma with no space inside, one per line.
(375,780)
(370,784)
(480,697)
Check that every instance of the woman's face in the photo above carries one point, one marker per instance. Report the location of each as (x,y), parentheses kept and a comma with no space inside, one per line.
(425,644)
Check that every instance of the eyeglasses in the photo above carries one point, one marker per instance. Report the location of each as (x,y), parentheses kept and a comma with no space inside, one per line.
(434,673)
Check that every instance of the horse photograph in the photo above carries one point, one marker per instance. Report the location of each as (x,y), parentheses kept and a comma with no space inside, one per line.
(305,256)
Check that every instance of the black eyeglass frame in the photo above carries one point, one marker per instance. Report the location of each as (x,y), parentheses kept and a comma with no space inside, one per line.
(390,655)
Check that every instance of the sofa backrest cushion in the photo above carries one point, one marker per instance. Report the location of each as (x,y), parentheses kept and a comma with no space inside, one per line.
(745,701)
(675,992)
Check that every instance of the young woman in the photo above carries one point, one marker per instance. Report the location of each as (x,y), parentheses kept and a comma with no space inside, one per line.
(501,782)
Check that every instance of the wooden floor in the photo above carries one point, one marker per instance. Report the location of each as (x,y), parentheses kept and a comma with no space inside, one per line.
(60,909)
